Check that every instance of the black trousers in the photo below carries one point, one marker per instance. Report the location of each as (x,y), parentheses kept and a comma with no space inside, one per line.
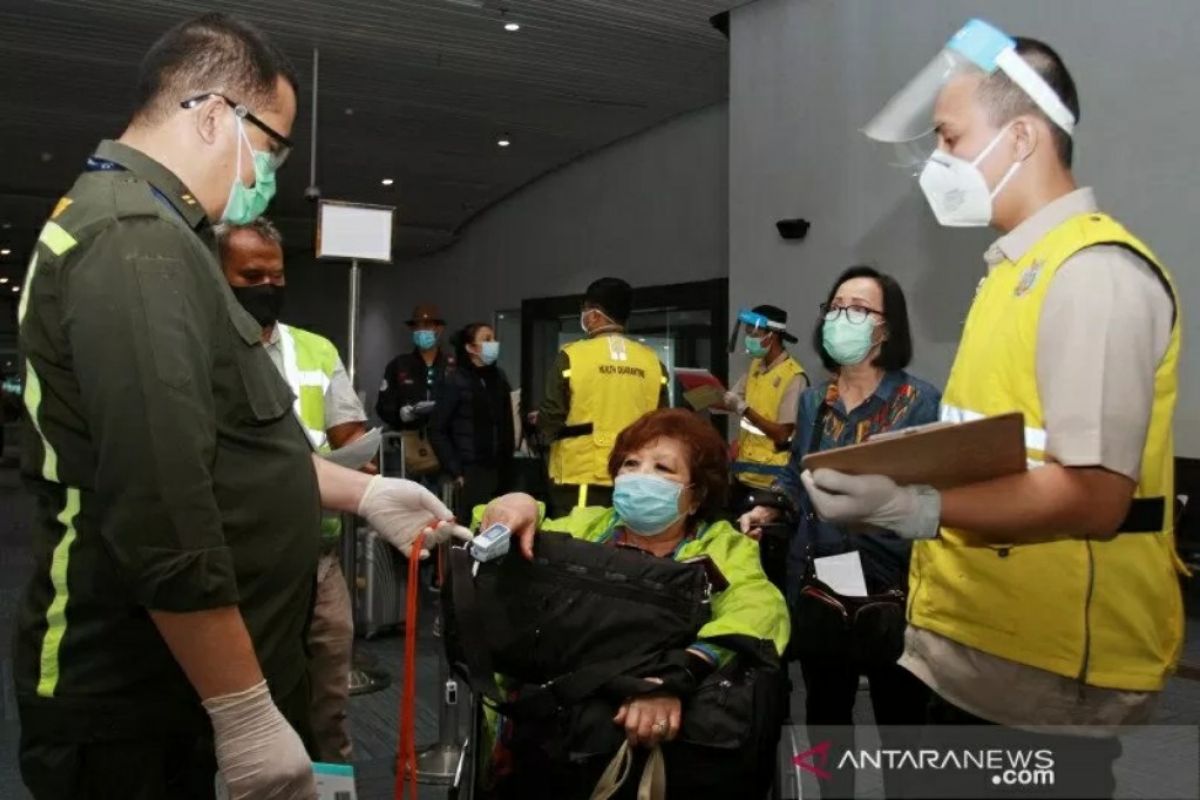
(565,496)
(1082,766)
(481,485)
(898,698)
(177,766)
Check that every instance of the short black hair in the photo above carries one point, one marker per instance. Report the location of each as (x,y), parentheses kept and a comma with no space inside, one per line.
(896,350)
(613,296)
(1005,100)
(466,336)
(210,53)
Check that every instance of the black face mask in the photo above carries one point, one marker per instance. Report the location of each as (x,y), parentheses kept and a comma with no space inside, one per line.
(264,301)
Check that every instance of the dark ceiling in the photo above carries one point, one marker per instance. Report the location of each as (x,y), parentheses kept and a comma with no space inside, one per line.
(418,91)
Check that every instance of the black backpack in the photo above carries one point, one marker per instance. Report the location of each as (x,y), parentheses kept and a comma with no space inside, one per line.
(579,619)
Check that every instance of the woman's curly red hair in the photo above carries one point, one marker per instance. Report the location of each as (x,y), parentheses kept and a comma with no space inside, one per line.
(708,461)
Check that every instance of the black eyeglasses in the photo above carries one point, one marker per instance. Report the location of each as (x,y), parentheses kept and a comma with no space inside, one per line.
(283,145)
(855,313)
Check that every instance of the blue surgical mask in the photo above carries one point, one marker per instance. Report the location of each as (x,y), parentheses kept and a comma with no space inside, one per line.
(247,203)
(847,342)
(489,352)
(647,504)
(755,347)
(425,340)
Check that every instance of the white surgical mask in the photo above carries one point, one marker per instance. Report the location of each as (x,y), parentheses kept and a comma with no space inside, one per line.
(957,191)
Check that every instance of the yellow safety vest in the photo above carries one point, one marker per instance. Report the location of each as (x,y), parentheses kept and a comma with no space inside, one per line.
(1107,613)
(309,361)
(613,382)
(759,462)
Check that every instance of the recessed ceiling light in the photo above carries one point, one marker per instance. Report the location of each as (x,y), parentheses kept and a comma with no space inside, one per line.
(5,252)
(6,226)
(512,27)
(387,181)
(503,141)
(16,288)
(3,280)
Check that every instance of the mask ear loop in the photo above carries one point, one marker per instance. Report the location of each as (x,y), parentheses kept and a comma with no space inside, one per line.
(244,138)
(1012,170)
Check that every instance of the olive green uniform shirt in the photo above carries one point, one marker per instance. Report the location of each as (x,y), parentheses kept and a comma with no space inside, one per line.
(169,471)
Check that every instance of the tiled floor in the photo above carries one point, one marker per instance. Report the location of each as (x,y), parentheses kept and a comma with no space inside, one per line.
(374,716)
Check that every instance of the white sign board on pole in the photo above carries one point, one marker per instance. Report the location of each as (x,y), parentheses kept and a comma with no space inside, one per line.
(354,231)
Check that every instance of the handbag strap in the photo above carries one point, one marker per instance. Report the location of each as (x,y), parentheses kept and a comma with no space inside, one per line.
(651,786)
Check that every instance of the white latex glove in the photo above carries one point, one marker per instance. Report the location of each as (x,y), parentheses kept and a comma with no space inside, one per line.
(408,414)
(259,755)
(912,512)
(398,510)
(424,407)
(752,521)
(735,403)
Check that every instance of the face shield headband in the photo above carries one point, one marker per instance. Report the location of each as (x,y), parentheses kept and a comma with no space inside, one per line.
(906,120)
(755,324)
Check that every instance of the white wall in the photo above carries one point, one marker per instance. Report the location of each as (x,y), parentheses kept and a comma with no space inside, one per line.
(807,74)
(651,209)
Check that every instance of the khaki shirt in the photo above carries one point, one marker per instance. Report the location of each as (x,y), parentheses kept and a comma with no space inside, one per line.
(169,471)
(1105,326)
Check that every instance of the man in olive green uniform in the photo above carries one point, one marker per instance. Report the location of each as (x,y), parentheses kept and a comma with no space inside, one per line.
(178,501)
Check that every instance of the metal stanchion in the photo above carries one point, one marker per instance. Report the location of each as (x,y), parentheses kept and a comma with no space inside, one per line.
(365,674)
(443,761)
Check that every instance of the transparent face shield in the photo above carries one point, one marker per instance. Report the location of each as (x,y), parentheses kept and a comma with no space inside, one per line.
(753,324)
(906,120)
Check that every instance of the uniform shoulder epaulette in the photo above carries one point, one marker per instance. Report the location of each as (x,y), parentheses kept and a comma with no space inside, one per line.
(134,197)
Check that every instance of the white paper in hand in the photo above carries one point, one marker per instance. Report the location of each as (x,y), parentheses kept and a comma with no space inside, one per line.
(842,573)
(358,452)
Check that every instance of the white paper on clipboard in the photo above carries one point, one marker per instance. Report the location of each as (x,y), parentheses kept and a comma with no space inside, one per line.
(358,452)
(842,573)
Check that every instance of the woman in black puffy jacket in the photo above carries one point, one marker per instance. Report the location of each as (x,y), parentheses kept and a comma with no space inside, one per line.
(472,426)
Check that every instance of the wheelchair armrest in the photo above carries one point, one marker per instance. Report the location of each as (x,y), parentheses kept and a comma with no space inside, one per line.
(772,499)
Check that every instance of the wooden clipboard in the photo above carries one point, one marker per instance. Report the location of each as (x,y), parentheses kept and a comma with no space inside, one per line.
(942,455)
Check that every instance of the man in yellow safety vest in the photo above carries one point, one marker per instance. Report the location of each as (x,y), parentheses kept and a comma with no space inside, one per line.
(599,385)
(1048,597)
(332,416)
(765,398)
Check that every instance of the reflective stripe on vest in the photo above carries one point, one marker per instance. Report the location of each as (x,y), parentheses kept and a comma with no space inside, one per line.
(297,379)
(1035,438)
(1106,612)
(309,361)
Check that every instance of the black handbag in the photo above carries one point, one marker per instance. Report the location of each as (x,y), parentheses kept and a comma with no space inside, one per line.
(867,631)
